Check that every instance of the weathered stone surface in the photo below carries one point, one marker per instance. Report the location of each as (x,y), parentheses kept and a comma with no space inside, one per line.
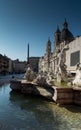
(15,85)
(31,88)
(63,95)
(77,95)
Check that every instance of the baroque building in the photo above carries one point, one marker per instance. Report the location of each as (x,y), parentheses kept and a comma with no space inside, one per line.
(4,64)
(66,46)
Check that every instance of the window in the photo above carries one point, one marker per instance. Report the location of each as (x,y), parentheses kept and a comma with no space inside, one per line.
(74,58)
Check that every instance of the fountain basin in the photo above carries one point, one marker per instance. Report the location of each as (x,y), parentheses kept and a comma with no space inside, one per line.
(60,95)
(63,95)
(31,88)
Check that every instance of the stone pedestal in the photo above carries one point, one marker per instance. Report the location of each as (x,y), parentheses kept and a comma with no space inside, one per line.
(77,95)
(63,95)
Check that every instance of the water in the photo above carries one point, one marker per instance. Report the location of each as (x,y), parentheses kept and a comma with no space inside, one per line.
(20,112)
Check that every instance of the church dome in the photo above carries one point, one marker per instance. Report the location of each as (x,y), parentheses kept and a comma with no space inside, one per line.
(66,35)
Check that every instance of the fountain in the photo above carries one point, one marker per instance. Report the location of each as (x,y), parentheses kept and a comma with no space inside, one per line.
(32,84)
(43,84)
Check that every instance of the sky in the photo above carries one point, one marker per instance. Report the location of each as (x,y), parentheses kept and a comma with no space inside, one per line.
(33,22)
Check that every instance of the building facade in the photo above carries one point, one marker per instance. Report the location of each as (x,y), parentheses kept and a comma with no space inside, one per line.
(34,63)
(63,40)
(8,66)
(19,66)
(4,64)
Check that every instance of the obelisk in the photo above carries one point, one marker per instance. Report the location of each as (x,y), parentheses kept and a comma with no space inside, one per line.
(28,55)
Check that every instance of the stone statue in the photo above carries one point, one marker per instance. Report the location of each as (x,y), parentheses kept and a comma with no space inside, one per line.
(41,79)
(61,68)
(29,75)
(50,78)
(77,80)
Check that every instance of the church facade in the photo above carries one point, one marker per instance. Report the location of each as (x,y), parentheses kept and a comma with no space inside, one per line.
(63,40)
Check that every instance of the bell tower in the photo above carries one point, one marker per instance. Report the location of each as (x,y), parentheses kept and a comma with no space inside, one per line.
(48,48)
(57,38)
(65,24)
